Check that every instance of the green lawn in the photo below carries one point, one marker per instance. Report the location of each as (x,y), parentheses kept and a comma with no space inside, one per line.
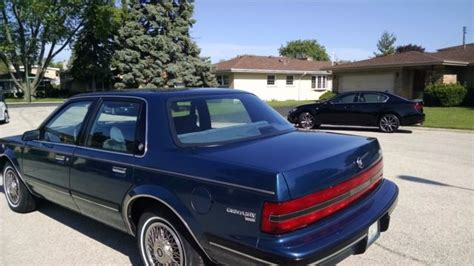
(39,100)
(288,103)
(449,117)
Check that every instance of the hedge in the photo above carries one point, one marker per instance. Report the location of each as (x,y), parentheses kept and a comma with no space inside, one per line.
(327,95)
(444,94)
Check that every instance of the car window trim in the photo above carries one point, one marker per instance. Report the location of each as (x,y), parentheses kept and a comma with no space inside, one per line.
(140,101)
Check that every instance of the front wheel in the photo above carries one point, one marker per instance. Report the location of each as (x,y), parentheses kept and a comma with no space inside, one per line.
(161,243)
(389,123)
(18,197)
(307,121)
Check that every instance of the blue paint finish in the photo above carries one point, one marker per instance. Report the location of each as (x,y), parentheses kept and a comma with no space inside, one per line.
(219,192)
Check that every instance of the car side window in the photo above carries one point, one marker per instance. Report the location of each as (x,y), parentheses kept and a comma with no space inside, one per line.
(114,127)
(65,126)
(372,98)
(349,98)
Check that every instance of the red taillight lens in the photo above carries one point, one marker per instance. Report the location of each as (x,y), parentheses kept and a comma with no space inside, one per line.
(283,217)
(419,106)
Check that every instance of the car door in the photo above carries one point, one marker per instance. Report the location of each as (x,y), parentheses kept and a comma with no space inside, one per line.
(102,166)
(340,110)
(46,161)
(369,107)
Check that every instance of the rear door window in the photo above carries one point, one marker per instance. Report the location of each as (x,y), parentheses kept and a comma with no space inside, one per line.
(114,127)
(349,98)
(372,98)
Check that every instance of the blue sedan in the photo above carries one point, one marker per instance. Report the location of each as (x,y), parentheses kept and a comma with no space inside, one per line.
(203,176)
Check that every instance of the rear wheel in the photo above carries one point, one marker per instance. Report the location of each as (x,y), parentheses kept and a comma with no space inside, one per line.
(389,123)
(18,197)
(307,121)
(161,243)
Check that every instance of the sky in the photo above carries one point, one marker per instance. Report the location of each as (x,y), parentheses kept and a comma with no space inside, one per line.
(349,30)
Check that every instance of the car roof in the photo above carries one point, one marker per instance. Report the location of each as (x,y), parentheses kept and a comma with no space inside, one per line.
(162,93)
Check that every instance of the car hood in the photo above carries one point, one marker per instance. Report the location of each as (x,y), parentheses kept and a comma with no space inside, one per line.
(308,160)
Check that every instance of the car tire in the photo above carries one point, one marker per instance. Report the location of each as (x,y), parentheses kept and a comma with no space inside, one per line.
(6,118)
(307,120)
(19,199)
(389,123)
(170,247)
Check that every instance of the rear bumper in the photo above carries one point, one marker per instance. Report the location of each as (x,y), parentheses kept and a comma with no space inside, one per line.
(326,242)
(413,119)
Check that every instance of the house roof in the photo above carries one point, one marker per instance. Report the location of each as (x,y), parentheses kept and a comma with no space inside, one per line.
(271,64)
(457,55)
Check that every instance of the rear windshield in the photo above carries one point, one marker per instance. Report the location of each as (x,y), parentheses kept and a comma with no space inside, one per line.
(215,120)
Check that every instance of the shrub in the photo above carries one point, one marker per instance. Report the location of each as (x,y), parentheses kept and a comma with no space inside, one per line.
(327,95)
(444,94)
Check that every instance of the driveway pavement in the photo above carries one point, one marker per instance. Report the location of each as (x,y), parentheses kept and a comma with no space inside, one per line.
(432,224)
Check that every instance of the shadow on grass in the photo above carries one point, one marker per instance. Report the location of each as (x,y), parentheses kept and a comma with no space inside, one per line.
(362,129)
(117,240)
(430,182)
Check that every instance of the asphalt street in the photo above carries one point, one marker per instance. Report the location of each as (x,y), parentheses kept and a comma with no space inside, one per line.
(432,224)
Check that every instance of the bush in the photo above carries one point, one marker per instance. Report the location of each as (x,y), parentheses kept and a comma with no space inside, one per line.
(444,94)
(327,95)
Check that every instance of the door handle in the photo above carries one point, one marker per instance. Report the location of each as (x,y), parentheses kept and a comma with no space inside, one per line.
(119,170)
(60,158)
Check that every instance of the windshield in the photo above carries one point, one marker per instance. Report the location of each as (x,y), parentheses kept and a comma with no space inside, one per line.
(213,120)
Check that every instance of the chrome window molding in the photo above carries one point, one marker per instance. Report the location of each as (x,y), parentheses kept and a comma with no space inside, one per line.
(126,211)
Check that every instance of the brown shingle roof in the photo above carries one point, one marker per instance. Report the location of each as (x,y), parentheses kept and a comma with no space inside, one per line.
(451,55)
(248,63)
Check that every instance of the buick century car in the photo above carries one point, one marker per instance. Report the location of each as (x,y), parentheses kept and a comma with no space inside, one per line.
(203,176)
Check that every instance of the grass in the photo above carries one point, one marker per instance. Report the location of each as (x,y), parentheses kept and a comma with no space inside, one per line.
(449,117)
(39,100)
(288,103)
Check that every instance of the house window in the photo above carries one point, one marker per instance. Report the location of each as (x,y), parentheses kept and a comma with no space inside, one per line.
(223,80)
(271,80)
(313,82)
(321,82)
(289,80)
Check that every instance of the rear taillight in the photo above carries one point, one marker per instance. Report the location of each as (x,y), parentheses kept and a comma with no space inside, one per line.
(283,217)
(419,106)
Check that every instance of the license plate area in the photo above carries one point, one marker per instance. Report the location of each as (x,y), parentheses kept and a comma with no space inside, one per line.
(373,233)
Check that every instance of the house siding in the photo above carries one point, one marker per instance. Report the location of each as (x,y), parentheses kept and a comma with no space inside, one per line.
(256,83)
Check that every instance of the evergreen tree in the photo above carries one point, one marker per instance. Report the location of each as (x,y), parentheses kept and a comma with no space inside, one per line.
(156,49)
(385,44)
(93,51)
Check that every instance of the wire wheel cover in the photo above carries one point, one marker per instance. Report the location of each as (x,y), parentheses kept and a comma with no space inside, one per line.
(163,246)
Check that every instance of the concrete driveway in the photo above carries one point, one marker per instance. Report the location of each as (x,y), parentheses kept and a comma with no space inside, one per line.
(433,223)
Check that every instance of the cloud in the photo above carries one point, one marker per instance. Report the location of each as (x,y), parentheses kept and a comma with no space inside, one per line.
(222,51)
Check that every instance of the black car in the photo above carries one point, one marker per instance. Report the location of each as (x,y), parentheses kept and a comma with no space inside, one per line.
(360,108)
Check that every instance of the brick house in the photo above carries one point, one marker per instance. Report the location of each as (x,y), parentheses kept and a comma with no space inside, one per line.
(407,74)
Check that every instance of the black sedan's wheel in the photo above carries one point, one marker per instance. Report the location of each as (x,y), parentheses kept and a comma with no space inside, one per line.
(161,243)
(18,197)
(307,121)
(389,123)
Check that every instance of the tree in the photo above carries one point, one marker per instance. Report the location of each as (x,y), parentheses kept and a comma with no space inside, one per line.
(92,53)
(156,50)
(33,32)
(385,44)
(304,49)
(409,47)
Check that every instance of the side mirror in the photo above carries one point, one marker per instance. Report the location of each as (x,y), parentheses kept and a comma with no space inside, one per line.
(31,135)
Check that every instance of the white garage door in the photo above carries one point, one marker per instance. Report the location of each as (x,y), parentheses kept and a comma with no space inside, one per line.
(370,82)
